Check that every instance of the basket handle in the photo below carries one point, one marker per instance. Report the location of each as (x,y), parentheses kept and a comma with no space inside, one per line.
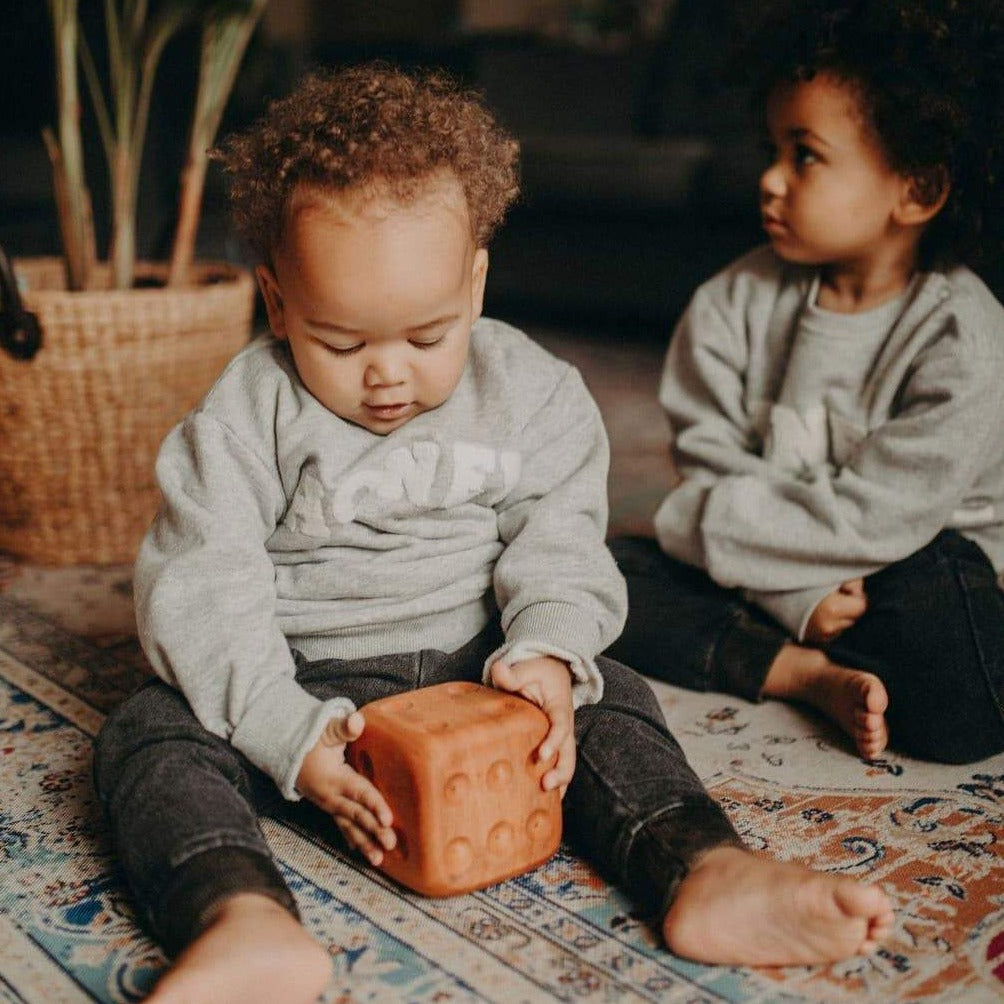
(20,333)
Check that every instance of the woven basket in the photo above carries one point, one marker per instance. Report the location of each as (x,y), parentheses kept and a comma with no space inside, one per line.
(81,422)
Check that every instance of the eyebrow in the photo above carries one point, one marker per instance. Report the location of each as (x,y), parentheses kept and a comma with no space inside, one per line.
(435,322)
(800,133)
(341,329)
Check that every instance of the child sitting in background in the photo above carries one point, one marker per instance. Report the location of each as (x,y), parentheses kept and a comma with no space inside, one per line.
(835,400)
(387,494)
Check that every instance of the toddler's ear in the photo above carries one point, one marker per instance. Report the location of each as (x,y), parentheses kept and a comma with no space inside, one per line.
(269,287)
(479,273)
(924,195)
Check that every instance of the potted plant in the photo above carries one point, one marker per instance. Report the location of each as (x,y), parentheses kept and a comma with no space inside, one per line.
(103,357)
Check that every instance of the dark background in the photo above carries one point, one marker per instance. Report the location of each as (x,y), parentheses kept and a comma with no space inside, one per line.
(639,162)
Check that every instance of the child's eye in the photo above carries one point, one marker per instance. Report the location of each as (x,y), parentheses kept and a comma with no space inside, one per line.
(342,350)
(804,156)
(426,343)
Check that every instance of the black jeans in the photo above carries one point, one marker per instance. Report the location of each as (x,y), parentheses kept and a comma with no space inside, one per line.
(933,633)
(183,804)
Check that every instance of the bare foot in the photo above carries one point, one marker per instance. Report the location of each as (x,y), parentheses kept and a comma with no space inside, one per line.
(735,908)
(254,952)
(853,699)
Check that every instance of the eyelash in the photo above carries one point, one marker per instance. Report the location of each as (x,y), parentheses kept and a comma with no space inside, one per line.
(423,346)
(803,157)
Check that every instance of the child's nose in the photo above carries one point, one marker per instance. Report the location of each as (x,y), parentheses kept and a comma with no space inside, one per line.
(771,183)
(384,370)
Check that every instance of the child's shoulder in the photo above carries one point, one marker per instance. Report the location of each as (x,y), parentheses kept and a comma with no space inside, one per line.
(499,350)
(256,385)
(757,275)
(969,293)
(260,368)
(970,311)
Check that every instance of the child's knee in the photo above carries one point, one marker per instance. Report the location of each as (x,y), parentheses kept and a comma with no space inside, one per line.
(627,691)
(154,710)
(967,735)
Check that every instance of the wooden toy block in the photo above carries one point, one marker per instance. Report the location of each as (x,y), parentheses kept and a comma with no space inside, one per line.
(457,764)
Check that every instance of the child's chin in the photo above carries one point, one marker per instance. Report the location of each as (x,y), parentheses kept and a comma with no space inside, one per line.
(384,427)
(794,255)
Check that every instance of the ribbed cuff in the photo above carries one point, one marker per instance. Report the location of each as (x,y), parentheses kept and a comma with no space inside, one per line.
(280,728)
(204,881)
(666,848)
(563,625)
(587,681)
(743,657)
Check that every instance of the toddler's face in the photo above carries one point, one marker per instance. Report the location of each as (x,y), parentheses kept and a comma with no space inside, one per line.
(377,299)
(829,196)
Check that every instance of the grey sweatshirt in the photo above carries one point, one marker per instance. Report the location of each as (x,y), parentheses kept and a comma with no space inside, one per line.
(816,447)
(285,526)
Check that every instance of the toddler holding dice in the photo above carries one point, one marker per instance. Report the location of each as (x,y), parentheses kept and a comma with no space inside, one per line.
(387,493)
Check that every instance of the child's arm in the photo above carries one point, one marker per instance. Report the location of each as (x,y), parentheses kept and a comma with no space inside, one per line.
(206,600)
(788,542)
(557,587)
(704,392)
(897,491)
(358,809)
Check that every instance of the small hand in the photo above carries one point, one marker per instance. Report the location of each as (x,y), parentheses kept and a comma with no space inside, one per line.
(546,682)
(836,612)
(358,809)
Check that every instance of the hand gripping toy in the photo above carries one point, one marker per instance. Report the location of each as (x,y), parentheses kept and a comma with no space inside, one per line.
(457,764)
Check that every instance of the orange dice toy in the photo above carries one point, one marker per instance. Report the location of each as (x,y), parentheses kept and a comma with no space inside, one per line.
(457,764)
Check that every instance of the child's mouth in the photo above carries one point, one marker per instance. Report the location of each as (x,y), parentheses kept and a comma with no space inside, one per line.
(388,412)
(774,226)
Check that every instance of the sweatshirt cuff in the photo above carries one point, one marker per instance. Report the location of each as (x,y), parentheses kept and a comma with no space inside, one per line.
(735,504)
(561,630)
(791,609)
(282,726)
(677,524)
(587,681)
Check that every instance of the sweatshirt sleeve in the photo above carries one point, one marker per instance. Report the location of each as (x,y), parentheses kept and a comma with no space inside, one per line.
(791,609)
(556,583)
(205,600)
(714,436)
(894,494)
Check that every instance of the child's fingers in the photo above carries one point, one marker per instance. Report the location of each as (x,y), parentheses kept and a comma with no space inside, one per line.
(559,713)
(343,730)
(517,679)
(505,677)
(853,587)
(560,775)
(844,607)
(369,797)
(359,840)
(350,787)
(363,817)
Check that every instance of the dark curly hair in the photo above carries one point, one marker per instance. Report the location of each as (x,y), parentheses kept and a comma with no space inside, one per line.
(350,127)
(929,75)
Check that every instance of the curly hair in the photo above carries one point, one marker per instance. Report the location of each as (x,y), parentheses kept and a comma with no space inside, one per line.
(351,127)
(929,77)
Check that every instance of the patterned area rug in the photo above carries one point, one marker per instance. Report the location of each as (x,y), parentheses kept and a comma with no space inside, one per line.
(932,836)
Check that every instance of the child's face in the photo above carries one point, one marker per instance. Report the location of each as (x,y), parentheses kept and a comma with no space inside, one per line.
(377,299)
(829,197)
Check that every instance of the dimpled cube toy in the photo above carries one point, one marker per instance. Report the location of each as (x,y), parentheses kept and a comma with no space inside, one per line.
(457,765)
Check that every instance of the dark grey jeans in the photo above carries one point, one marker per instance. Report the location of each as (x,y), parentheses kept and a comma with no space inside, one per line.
(933,633)
(183,804)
